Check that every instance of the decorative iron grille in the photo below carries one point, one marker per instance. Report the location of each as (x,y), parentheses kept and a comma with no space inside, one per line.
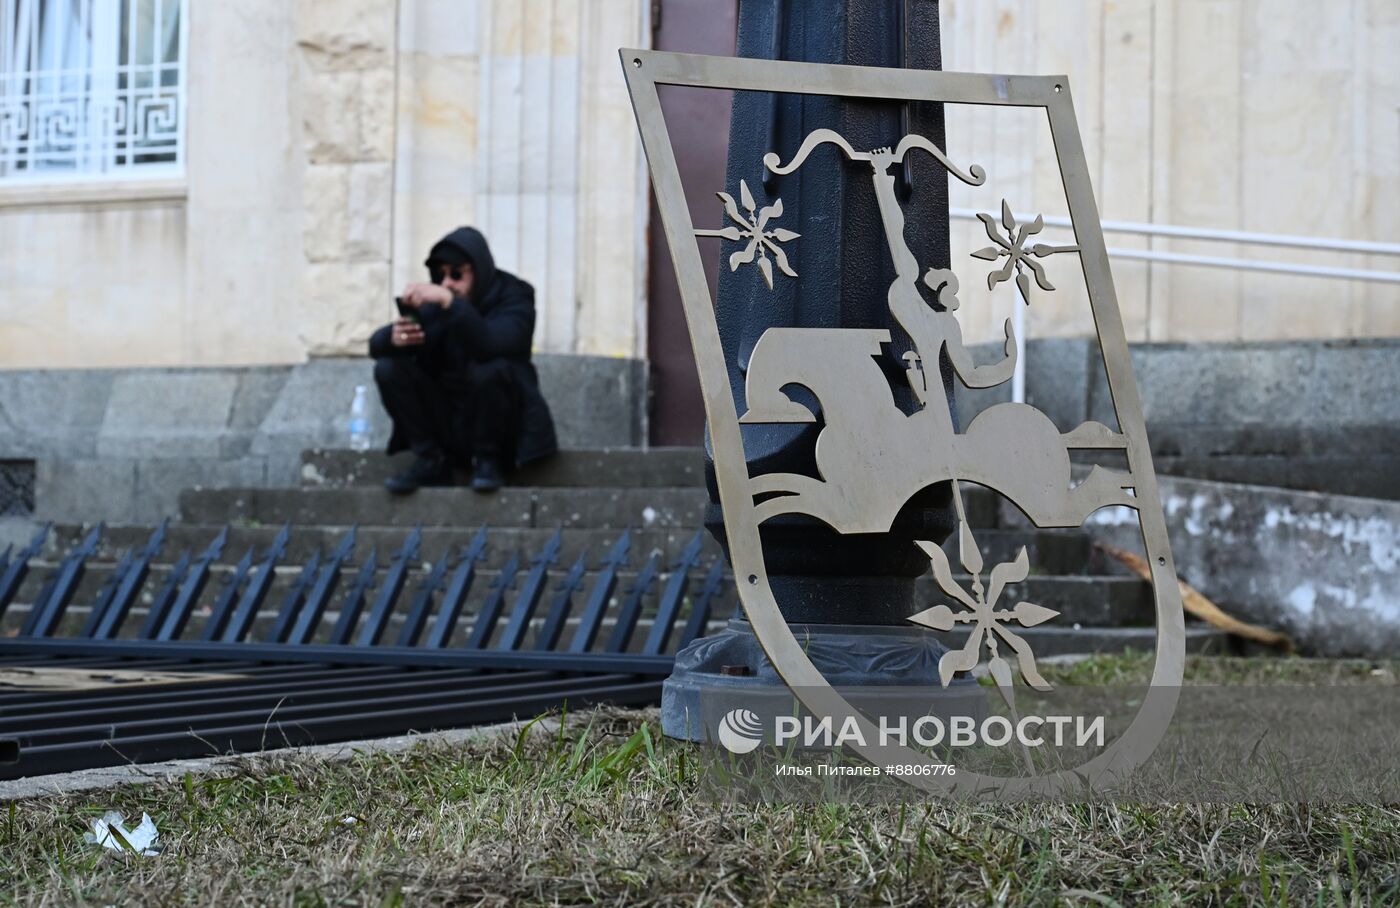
(91,88)
(16,488)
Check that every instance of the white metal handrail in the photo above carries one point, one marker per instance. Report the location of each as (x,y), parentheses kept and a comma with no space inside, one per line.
(1322,244)
(1215,261)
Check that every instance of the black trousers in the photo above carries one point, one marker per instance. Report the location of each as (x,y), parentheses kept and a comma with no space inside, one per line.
(457,414)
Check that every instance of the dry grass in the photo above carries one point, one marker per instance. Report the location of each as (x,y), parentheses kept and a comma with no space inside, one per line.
(603,812)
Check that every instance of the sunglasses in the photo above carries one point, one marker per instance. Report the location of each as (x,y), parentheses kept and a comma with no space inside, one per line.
(457,272)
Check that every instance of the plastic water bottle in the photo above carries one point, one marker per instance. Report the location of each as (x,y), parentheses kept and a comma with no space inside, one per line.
(359,421)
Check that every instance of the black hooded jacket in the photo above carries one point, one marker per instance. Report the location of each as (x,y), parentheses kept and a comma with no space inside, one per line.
(495,322)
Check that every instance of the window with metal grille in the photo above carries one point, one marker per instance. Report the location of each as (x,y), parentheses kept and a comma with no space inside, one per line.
(91,88)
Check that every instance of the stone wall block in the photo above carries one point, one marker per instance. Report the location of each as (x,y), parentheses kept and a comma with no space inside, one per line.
(1058,372)
(376,115)
(369,205)
(154,412)
(85,491)
(331,121)
(345,34)
(340,305)
(17,532)
(575,386)
(255,395)
(313,409)
(1323,568)
(349,116)
(326,191)
(440,28)
(1357,381)
(44,414)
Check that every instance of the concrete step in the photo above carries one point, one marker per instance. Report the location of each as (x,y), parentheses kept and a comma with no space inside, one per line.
(1374,476)
(663,507)
(1084,600)
(601,468)
(1060,552)
(594,468)
(1056,552)
(502,542)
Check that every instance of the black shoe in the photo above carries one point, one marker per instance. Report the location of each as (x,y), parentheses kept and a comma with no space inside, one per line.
(486,477)
(425,471)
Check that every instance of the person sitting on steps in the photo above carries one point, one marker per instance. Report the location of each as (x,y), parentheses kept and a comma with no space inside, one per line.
(454,371)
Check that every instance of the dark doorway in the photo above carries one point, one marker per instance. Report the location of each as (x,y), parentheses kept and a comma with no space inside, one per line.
(698,120)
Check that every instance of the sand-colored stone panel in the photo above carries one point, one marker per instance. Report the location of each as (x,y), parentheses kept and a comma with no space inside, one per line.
(612,211)
(331,117)
(376,115)
(369,209)
(83,286)
(339,305)
(326,189)
(1207,113)
(1126,186)
(435,189)
(346,34)
(439,28)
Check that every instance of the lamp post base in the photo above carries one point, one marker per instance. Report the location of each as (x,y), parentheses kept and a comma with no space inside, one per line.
(729,670)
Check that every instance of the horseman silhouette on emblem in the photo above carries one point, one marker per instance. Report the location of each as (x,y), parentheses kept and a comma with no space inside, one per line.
(872,456)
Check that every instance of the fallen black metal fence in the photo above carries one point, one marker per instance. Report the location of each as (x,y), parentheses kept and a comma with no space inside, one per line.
(379,659)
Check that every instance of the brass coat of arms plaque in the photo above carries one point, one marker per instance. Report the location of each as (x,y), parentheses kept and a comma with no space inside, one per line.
(871,455)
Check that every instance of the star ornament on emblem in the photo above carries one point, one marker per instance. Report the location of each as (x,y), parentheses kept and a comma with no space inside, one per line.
(754,227)
(989,622)
(1012,246)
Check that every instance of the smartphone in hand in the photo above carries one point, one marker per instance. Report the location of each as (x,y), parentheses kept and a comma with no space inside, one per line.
(406,310)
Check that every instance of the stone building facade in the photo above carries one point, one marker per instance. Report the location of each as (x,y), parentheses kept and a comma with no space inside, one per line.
(328,142)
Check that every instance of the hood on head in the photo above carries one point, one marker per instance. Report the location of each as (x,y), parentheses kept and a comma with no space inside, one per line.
(463,243)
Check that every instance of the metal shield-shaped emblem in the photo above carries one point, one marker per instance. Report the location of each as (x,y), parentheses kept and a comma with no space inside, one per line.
(872,456)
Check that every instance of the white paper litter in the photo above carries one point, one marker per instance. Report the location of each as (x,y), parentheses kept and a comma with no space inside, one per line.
(110,832)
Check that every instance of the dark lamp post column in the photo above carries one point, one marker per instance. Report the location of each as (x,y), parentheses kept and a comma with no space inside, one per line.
(855,591)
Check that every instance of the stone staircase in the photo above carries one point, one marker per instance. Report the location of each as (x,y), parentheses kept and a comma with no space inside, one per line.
(590,497)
